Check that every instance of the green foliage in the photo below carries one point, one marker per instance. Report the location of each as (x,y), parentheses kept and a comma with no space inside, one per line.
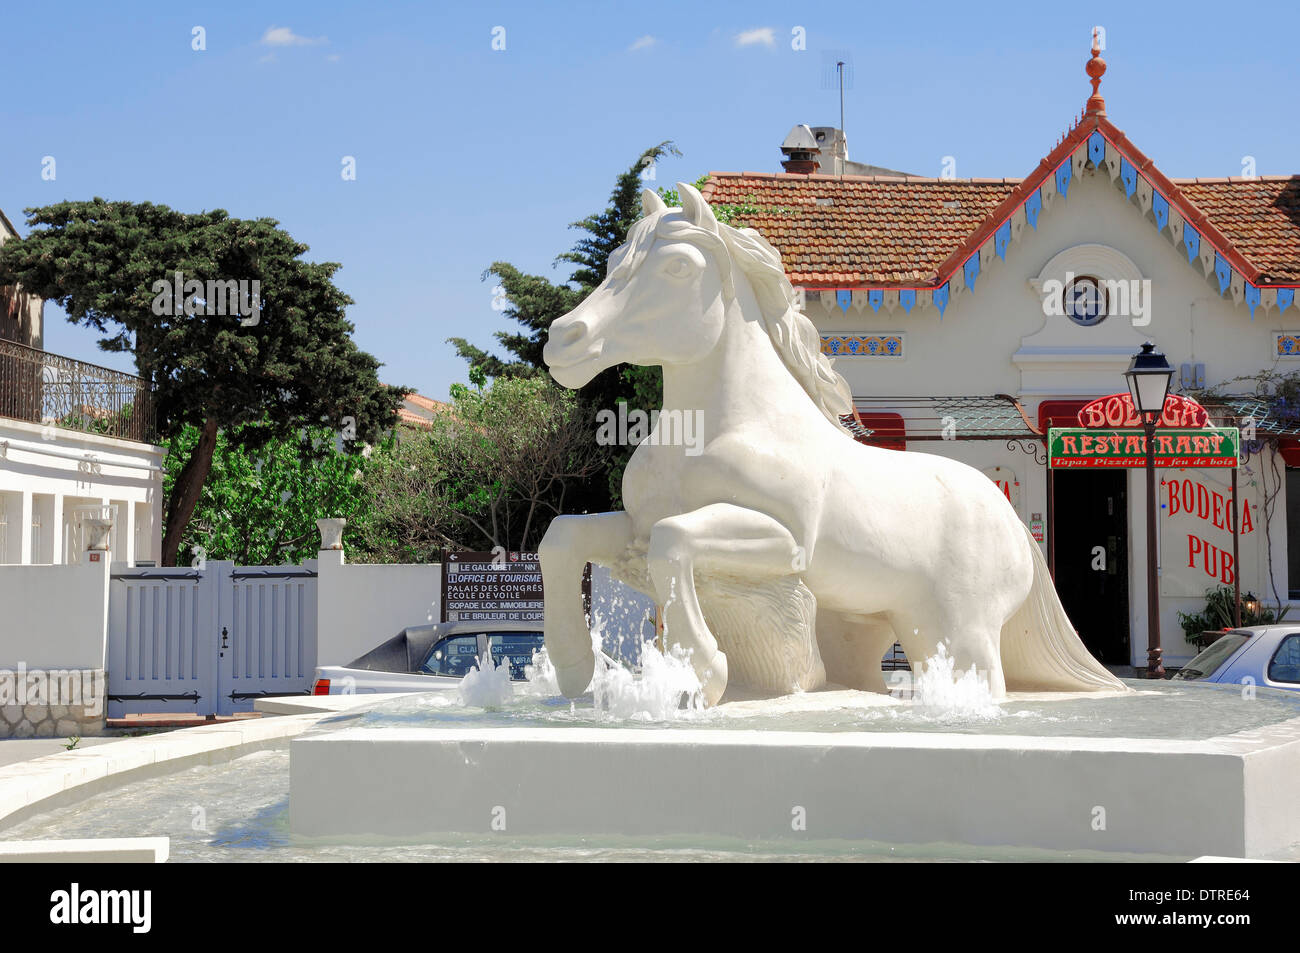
(409,519)
(295,367)
(491,471)
(1219,613)
(259,507)
(728,213)
(670,196)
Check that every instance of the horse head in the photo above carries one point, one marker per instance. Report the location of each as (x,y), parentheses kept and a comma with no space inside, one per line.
(663,300)
(667,297)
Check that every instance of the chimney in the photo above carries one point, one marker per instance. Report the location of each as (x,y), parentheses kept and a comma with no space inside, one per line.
(801,151)
(834,149)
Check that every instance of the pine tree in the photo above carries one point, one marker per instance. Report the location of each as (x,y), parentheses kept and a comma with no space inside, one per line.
(535,302)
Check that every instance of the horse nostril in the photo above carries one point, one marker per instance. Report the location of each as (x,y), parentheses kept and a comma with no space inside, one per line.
(573,334)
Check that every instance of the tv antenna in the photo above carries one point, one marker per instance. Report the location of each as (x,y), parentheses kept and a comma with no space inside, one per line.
(839,68)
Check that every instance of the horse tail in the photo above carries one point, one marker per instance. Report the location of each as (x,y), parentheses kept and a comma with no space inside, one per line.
(1041,651)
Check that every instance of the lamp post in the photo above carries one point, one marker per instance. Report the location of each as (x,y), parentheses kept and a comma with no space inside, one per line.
(1148,383)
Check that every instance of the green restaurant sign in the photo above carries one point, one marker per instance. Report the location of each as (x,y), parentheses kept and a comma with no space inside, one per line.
(1069,447)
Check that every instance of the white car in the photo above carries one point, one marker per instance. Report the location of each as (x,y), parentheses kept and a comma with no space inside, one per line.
(427,658)
(1268,654)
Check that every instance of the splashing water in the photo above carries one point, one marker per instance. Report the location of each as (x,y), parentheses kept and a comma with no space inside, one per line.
(487,686)
(539,677)
(939,687)
(666,687)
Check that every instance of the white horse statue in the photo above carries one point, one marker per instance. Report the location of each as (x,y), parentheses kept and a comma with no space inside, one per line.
(783,552)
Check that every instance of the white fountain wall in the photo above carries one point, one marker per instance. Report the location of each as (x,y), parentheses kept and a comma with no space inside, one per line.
(1230,796)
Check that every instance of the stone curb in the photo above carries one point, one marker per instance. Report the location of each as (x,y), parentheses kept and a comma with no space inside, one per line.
(42,784)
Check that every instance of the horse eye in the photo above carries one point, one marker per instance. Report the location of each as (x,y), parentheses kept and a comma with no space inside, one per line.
(679,268)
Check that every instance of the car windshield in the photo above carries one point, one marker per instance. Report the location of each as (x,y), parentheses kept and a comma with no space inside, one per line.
(515,647)
(1209,661)
(454,656)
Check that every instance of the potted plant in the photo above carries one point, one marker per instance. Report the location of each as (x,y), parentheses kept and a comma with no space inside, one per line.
(1202,628)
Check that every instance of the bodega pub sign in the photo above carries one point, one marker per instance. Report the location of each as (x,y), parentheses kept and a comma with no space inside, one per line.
(1116,411)
(1071,447)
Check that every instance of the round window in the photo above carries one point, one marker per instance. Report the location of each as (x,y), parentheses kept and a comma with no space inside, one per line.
(1084,301)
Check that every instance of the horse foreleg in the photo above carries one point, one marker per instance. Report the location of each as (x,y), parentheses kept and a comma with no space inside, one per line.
(569,544)
(721,537)
(971,636)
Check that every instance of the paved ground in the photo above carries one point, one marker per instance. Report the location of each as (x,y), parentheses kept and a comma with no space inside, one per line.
(14,750)
(176,720)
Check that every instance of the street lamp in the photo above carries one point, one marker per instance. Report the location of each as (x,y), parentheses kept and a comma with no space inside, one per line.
(1251,605)
(1148,383)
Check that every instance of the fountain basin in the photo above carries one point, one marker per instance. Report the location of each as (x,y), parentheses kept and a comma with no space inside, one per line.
(1230,795)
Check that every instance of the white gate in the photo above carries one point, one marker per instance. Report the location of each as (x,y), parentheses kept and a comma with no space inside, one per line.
(161,653)
(209,640)
(267,634)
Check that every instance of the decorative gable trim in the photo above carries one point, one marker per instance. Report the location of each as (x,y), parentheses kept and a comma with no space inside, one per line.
(1172,213)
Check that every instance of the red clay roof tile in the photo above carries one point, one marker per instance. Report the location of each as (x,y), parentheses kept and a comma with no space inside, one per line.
(881,231)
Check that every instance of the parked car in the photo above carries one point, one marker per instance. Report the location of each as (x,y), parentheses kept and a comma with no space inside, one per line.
(423,658)
(1269,654)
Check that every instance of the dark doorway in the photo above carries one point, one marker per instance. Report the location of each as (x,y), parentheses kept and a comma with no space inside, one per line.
(1090,514)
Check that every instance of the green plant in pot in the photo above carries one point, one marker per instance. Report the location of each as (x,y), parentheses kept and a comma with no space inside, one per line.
(1219,613)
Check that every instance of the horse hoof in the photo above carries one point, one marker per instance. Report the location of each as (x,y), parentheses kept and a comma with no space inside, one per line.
(713,680)
(575,678)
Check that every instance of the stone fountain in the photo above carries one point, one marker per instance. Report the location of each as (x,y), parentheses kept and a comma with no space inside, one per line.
(788,558)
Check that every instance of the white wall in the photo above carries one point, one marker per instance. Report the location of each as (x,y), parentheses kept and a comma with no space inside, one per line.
(54,616)
(360,606)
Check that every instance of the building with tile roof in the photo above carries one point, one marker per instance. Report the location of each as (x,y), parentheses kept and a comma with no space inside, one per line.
(418,411)
(969,315)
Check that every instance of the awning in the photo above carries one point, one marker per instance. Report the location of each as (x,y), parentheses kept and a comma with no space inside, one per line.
(1275,420)
(887,430)
(900,419)
(1270,419)
(1059,413)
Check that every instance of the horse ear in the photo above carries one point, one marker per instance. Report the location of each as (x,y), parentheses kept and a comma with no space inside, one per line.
(651,202)
(697,210)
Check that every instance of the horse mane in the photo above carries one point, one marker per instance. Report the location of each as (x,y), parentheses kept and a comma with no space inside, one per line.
(793,336)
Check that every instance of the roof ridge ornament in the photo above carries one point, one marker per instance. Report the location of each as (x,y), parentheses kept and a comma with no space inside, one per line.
(1095,69)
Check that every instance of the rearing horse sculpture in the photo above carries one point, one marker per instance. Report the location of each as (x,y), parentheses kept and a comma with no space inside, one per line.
(785,552)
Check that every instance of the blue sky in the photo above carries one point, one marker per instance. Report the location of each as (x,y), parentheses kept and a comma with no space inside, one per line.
(465,154)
